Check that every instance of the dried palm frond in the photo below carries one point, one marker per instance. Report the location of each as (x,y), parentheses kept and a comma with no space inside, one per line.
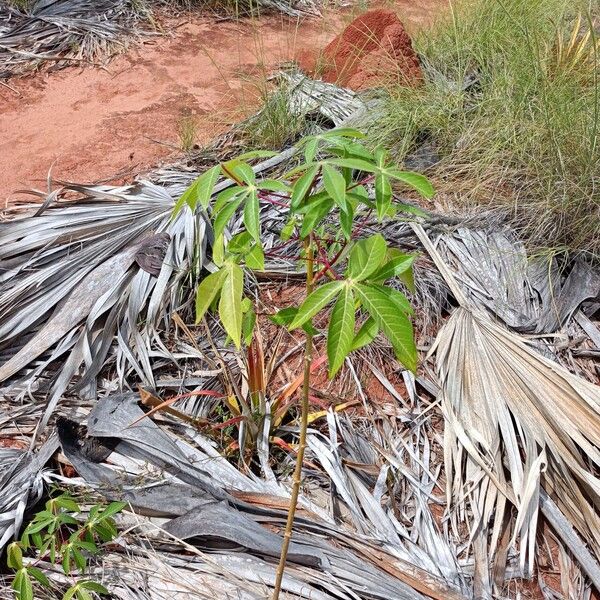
(517,423)
(68,286)
(63,31)
(66,31)
(213,506)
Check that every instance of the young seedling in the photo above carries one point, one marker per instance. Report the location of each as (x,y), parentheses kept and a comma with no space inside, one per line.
(55,534)
(327,206)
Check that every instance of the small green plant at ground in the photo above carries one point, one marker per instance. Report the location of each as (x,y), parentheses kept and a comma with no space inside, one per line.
(327,205)
(56,534)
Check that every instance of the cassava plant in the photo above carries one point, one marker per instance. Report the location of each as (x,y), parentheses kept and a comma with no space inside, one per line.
(327,204)
(57,534)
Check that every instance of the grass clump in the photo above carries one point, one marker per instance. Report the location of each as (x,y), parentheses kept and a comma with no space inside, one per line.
(187,130)
(524,135)
(276,125)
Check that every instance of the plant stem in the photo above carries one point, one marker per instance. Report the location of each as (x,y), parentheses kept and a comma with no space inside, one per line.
(287,536)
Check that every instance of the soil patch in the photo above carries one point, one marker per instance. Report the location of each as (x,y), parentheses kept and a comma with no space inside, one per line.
(90,124)
(374,49)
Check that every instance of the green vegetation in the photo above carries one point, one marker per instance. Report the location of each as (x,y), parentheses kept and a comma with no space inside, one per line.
(523,137)
(275,125)
(58,535)
(327,206)
(187,129)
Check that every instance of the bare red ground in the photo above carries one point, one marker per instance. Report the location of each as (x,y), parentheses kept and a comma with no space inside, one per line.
(90,124)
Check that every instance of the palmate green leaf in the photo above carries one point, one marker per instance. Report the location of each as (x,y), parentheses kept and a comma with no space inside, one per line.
(230,304)
(383,195)
(335,185)
(316,301)
(252,215)
(366,257)
(207,291)
(303,185)
(415,180)
(366,334)
(340,334)
(392,321)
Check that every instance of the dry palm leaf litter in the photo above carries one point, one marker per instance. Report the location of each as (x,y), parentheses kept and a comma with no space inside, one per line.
(477,478)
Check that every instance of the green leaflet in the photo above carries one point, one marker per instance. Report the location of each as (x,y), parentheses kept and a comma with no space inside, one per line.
(393,268)
(415,180)
(366,334)
(392,321)
(335,185)
(340,334)
(230,304)
(252,215)
(303,186)
(207,291)
(383,195)
(318,300)
(366,256)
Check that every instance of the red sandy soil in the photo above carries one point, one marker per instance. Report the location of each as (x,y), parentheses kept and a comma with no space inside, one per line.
(372,50)
(91,124)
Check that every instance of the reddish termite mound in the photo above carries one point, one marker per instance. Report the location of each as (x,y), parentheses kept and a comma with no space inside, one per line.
(372,50)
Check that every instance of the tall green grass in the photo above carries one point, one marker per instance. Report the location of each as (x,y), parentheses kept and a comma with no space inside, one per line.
(524,137)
